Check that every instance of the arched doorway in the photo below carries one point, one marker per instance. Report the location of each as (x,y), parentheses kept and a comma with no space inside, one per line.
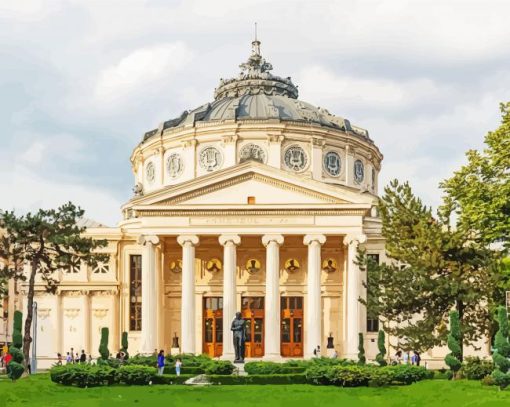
(291,326)
(252,309)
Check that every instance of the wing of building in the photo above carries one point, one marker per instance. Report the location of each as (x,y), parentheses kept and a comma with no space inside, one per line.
(255,202)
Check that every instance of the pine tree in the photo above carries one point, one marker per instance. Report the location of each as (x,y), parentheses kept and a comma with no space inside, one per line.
(381,356)
(124,344)
(103,345)
(453,359)
(361,350)
(48,241)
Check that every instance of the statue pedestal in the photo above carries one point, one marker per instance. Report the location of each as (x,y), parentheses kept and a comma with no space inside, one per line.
(175,351)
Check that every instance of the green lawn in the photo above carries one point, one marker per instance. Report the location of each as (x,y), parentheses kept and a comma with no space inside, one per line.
(40,391)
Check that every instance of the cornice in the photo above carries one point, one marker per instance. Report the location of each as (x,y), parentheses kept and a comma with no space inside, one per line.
(241,212)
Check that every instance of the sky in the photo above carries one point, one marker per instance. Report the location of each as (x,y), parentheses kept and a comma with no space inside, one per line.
(82,80)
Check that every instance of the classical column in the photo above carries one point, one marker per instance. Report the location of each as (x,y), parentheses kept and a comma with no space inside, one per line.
(353,292)
(149,294)
(188,243)
(58,325)
(229,243)
(272,311)
(313,311)
(86,322)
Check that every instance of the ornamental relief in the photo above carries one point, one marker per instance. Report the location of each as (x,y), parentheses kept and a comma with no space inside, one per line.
(295,158)
(43,313)
(210,158)
(332,163)
(292,265)
(253,152)
(176,266)
(100,313)
(71,313)
(174,165)
(150,172)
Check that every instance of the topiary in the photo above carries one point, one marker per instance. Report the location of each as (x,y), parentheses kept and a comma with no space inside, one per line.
(361,350)
(103,345)
(17,337)
(15,370)
(501,351)
(453,358)
(124,344)
(381,356)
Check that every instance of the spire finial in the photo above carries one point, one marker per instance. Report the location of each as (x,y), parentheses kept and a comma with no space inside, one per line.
(255,31)
(255,45)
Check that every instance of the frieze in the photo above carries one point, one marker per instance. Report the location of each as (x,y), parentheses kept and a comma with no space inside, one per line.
(244,220)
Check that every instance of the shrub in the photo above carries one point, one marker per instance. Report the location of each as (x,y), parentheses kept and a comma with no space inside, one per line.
(407,374)
(103,346)
(381,378)
(271,368)
(17,355)
(361,350)
(83,375)
(351,376)
(185,370)
(502,351)
(171,378)
(258,379)
(475,368)
(381,356)
(140,375)
(141,360)
(17,326)
(219,367)
(124,343)
(15,370)
(453,358)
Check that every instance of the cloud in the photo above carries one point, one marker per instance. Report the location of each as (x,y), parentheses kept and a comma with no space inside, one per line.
(141,68)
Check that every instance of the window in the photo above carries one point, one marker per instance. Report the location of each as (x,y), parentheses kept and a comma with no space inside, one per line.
(135,292)
(372,318)
(251,200)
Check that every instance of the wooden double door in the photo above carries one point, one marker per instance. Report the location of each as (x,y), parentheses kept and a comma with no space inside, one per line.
(252,309)
(213,326)
(291,326)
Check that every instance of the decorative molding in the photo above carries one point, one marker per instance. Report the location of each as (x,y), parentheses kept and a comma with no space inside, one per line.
(189,143)
(356,239)
(308,239)
(43,313)
(319,142)
(247,177)
(242,212)
(100,313)
(275,138)
(71,313)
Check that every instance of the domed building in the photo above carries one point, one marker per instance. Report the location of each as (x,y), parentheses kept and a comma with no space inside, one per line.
(255,202)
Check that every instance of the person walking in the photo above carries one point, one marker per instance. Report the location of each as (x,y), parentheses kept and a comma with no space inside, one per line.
(8,359)
(59,359)
(161,362)
(417,358)
(69,358)
(83,357)
(89,360)
(178,365)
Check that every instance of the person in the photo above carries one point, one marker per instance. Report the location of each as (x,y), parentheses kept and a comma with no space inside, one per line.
(59,359)
(77,358)
(406,358)
(118,356)
(83,357)
(8,359)
(72,355)
(398,355)
(417,358)
(334,355)
(89,360)
(69,358)
(318,351)
(178,365)
(161,362)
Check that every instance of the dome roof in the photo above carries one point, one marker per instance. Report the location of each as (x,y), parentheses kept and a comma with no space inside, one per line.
(256,94)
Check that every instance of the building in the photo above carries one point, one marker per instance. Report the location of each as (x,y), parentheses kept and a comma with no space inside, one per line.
(255,202)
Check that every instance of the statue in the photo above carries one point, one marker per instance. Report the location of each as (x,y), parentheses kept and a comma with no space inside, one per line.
(238,328)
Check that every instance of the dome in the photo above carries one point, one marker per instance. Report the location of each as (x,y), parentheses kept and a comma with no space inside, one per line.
(257,94)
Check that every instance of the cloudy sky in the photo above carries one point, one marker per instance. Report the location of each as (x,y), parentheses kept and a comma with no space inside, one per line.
(82,80)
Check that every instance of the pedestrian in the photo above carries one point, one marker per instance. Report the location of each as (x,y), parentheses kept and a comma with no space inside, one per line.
(406,358)
(178,365)
(334,355)
(397,358)
(413,359)
(83,357)
(77,358)
(59,359)
(8,359)
(72,355)
(318,351)
(69,358)
(161,362)
(417,358)
(89,360)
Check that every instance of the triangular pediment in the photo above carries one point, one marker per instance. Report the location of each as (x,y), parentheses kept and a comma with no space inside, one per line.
(264,185)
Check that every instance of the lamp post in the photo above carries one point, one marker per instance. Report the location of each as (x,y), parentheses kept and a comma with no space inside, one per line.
(33,363)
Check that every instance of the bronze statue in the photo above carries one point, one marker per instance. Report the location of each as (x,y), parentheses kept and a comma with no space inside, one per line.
(238,328)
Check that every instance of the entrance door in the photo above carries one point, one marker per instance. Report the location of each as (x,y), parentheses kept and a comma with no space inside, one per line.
(292,326)
(213,326)
(252,309)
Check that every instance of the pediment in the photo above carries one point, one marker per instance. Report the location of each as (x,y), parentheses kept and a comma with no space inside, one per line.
(265,185)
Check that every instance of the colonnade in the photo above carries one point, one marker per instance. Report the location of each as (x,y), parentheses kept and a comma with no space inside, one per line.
(272,243)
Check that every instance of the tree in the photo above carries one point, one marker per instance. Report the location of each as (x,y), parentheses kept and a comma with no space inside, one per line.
(16,365)
(103,345)
(47,241)
(433,268)
(361,350)
(381,356)
(453,359)
(478,192)
(124,344)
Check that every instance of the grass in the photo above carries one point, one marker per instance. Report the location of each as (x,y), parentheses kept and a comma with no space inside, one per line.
(40,391)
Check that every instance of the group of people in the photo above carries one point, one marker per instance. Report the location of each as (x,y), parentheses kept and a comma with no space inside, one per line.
(162,361)
(406,358)
(72,357)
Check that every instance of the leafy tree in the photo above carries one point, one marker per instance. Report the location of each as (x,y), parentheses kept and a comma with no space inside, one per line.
(381,356)
(453,359)
(124,344)
(47,241)
(433,268)
(361,350)
(103,345)
(478,192)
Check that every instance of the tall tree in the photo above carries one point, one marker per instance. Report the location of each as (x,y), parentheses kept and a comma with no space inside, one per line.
(46,241)
(432,269)
(478,193)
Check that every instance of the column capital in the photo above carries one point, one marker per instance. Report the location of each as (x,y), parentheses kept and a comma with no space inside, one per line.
(278,239)
(308,239)
(224,239)
(183,239)
(355,238)
(144,239)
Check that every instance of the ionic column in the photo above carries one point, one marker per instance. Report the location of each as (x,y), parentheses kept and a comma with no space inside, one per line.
(272,301)
(229,243)
(86,322)
(353,293)
(313,311)
(149,294)
(188,243)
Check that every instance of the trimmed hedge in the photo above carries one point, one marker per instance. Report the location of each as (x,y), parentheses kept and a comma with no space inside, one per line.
(258,379)
(141,375)
(171,379)
(271,368)
(475,368)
